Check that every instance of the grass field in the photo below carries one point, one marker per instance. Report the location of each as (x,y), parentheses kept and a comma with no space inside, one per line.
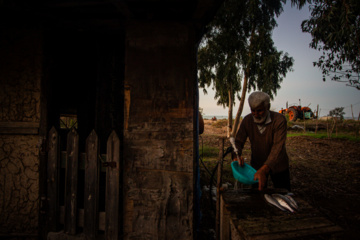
(209,153)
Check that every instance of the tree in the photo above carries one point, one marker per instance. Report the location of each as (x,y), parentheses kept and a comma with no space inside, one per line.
(337,112)
(335,30)
(239,45)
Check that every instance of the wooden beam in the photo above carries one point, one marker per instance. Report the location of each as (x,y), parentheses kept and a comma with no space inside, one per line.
(31,128)
(224,221)
(218,186)
(53,166)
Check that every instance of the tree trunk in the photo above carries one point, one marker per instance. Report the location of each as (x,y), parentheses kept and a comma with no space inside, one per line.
(229,129)
(243,92)
(241,107)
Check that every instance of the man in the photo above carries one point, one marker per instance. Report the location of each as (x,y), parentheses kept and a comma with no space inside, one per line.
(266,131)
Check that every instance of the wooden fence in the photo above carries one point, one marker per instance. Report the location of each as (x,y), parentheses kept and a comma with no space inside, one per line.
(79,201)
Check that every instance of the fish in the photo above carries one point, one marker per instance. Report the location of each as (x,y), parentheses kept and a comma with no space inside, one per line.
(283,201)
(293,203)
(272,201)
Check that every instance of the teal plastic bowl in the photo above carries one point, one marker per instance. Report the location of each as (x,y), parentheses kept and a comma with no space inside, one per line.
(244,174)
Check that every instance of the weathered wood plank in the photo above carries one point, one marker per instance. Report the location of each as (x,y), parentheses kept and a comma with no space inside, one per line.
(19,128)
(224,221)
(82,160)
(251,217)
(218,185)
(156,190)
(43,157)
(80,214)
(71,180)
(304,228)
(53,180)
(91,191)
(112,196)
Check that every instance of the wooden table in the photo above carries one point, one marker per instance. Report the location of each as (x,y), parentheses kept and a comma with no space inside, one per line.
(245,214)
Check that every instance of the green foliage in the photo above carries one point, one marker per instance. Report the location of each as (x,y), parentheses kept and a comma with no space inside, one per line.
(209,157)
(68,121)
(209,152)
(335,30)
(324,135)
(239,45)
(337,112)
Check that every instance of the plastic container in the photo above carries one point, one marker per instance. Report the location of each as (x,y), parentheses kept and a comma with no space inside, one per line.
(244,174)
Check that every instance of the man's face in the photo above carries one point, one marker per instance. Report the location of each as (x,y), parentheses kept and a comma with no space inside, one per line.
(259,113)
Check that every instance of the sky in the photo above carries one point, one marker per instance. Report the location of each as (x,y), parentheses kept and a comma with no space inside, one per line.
(304,82)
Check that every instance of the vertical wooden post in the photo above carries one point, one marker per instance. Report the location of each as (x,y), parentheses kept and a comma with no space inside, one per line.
(71,179)
(218,186)
(53,167)
(327,127)
(91,191)
(43,222)
(357,127)
(352,113)
(112,195)
(224,221)
(317,118)
(304,121)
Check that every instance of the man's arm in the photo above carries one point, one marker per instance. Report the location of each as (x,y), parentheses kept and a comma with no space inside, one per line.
(240,140)
(262,175)
(279,140)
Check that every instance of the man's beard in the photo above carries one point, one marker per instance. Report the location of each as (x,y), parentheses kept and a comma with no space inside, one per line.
(262,119)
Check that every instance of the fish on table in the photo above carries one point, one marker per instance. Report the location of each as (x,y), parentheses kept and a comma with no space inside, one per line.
(293,203)
(272,201)
(283,202)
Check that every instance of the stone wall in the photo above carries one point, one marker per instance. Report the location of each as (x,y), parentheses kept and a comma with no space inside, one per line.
(159,154)
(19,185)
(20,74)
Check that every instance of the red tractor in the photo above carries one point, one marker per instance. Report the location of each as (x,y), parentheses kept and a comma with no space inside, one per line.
(298,112)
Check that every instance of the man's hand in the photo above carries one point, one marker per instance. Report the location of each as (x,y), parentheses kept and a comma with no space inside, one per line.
(239,159)
(262,175)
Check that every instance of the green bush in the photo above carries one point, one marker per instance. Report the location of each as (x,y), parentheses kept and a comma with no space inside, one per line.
(208,152)
(324,135)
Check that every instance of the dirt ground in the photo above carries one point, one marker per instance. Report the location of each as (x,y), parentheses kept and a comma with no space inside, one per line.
(324,172)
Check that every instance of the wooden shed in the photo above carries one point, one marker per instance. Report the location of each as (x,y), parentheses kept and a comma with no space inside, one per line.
(99,118)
